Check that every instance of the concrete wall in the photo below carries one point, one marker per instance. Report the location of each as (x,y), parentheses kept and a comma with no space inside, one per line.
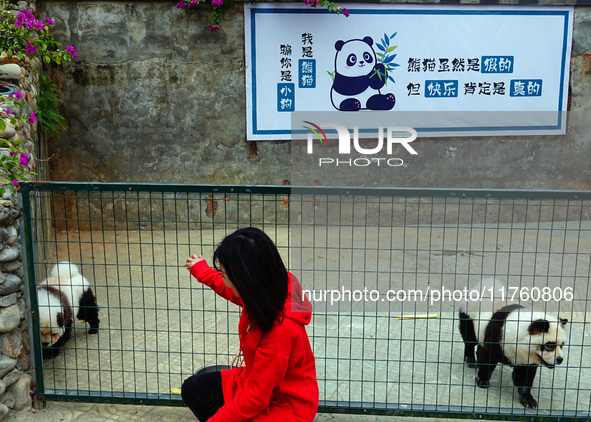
(155,97)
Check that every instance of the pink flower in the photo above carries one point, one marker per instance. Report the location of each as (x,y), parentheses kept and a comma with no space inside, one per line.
(8,112)
(345,12)
(181,4)
(32,118)
(15,182)
(217,3)
(49,21)
(27,19)
(213,28)
(31,49)
(24,159)
(71,49)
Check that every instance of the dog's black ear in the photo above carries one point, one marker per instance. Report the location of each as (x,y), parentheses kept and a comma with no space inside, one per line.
(60,319)
(539,326)
(563,322)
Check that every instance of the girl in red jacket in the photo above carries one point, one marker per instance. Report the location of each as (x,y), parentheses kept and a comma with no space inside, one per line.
(278,380)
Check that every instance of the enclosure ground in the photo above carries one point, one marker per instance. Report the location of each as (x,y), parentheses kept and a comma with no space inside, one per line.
(158,325)
(89,412)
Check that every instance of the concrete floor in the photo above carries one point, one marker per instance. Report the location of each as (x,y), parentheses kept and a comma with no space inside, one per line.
(86,412)
(158,325)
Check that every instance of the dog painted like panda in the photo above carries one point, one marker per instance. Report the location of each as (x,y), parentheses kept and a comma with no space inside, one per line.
(510,334)
(63,295)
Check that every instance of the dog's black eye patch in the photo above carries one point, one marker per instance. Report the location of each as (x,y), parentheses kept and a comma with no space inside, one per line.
(548,347)
(539,326)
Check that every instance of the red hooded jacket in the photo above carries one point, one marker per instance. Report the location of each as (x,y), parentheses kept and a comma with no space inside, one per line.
(278,381)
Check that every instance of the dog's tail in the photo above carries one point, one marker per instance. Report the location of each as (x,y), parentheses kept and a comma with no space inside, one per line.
(64,270)
(492,289)
(491,296)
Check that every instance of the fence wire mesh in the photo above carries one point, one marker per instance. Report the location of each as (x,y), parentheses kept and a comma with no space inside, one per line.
(384,269)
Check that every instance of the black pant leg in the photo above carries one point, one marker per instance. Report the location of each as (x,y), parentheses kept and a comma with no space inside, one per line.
(203,394)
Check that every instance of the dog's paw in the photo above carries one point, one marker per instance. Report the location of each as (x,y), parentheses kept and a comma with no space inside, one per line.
(528,402)
(94,327)
(482,383)
(51,352)
(471,361)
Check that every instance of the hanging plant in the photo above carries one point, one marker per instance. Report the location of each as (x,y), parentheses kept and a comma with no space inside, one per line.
(48,108)
(219,5)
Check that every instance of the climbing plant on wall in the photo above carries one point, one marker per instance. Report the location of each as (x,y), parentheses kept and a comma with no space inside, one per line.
(22,38)
(25,36)
(217,8)
(15,162)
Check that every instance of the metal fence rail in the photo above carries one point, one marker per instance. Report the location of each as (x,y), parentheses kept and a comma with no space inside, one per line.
(360,253)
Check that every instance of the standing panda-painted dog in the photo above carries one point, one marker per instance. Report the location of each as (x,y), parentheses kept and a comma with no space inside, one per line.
(63,295)
(356,84)
(510,334)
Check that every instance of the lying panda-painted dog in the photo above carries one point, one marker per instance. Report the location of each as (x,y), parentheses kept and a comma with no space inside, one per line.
(509,334)
(65,293)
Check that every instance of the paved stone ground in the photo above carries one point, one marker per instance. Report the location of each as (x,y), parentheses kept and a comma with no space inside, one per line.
(86,412)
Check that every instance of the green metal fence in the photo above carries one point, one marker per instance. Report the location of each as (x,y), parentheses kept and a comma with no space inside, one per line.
(360,253)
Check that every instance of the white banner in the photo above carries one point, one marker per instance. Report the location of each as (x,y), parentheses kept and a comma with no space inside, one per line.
(492,60)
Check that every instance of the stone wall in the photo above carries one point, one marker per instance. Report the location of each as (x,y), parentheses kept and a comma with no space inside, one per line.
(15,367)
(154,97)
(15,363)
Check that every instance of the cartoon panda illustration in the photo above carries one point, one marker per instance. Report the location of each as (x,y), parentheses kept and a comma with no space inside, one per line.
(356,83)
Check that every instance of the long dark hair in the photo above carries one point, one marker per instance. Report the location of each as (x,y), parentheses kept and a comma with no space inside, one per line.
(253,264)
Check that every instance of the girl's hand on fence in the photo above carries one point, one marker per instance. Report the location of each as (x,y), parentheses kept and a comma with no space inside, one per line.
(192,260)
